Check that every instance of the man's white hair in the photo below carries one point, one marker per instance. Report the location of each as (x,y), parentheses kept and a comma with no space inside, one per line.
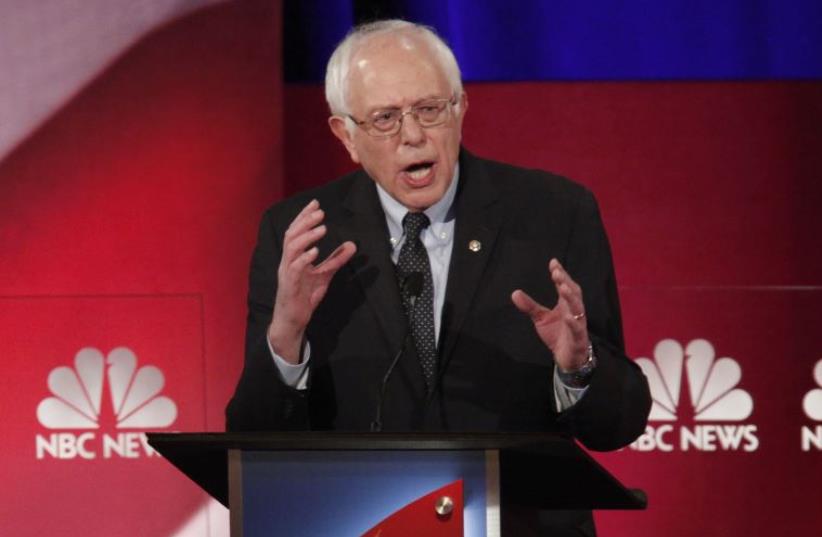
(336,73)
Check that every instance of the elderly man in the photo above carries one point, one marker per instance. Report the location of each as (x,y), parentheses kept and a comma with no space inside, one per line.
(443,260)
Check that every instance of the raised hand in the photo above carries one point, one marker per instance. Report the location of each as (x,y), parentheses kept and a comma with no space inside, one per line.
(562,328)
(301,283)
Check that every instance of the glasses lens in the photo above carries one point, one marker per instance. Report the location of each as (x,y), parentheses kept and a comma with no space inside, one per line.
(430,113)
(385,120)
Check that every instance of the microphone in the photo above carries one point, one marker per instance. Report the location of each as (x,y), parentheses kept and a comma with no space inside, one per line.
(411,287)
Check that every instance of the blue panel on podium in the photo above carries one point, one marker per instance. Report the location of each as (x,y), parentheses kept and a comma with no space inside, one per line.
(351,491)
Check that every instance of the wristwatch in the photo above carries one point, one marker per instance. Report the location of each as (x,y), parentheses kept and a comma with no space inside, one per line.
(581,377)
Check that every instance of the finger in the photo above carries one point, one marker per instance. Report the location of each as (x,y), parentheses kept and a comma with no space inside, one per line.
(336,259)
(298,244)
(560,276)
(570,301)
(295,240)
(528,305)
(310,207)
(304,259)
(304,222)
(310,216)
(578,328)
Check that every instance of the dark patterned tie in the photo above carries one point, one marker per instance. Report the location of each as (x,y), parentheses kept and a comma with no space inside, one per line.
(414,258)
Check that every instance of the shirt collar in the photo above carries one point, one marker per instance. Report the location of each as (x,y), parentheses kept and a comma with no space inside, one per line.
(439,214)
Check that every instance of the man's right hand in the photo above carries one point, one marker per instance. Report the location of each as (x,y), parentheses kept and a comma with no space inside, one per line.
(301,283)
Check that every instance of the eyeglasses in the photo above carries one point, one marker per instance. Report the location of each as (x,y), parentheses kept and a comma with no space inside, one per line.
(388,121)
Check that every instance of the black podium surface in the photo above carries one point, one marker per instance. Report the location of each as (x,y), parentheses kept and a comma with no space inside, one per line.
(530,463)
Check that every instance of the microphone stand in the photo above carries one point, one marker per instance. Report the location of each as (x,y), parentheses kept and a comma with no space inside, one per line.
(412,287)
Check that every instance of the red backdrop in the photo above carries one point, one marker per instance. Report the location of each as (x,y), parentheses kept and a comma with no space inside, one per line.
(128,220)
(710,193)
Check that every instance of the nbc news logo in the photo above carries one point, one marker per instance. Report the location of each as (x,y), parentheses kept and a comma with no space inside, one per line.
(812,405)
(76,404)
(717,405)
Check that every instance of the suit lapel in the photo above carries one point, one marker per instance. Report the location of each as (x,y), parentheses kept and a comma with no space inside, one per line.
(477,219)
(364,224)
(477,224)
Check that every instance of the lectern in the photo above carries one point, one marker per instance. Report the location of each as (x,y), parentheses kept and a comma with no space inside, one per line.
(384,484)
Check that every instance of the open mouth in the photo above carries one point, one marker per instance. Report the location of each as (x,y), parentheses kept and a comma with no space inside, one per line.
(419,170)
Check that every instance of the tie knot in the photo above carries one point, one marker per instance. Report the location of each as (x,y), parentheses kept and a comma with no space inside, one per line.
(413,223)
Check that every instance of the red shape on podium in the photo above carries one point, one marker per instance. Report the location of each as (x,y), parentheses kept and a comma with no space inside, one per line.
(420,517)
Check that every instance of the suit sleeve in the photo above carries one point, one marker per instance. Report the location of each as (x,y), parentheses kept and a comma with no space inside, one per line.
(261,401)
(615,407)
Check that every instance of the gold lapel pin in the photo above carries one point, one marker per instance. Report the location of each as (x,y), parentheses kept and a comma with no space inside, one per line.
(475,245)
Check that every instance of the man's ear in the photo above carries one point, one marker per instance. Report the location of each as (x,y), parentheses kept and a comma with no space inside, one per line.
(339,129)
(463,104)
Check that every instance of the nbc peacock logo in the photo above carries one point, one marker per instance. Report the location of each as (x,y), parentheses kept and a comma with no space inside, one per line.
(78,404)
(812,405)
(717,405)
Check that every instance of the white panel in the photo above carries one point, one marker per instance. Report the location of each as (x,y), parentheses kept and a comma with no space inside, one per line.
(492,500)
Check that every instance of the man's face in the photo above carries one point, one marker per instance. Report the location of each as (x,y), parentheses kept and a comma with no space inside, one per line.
(416,165)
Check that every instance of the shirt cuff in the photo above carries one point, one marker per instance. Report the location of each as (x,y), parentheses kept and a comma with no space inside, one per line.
(293,375)
(564,395)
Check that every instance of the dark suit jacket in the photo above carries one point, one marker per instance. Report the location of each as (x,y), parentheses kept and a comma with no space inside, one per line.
(495,373)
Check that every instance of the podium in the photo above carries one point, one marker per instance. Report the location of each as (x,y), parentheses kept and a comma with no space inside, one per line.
(372,484)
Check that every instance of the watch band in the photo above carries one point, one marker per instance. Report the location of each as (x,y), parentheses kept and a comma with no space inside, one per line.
(580,378)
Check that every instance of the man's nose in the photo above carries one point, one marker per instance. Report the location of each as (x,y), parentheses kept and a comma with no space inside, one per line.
(410,131)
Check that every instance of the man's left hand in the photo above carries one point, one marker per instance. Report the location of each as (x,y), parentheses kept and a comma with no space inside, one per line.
(562,328)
